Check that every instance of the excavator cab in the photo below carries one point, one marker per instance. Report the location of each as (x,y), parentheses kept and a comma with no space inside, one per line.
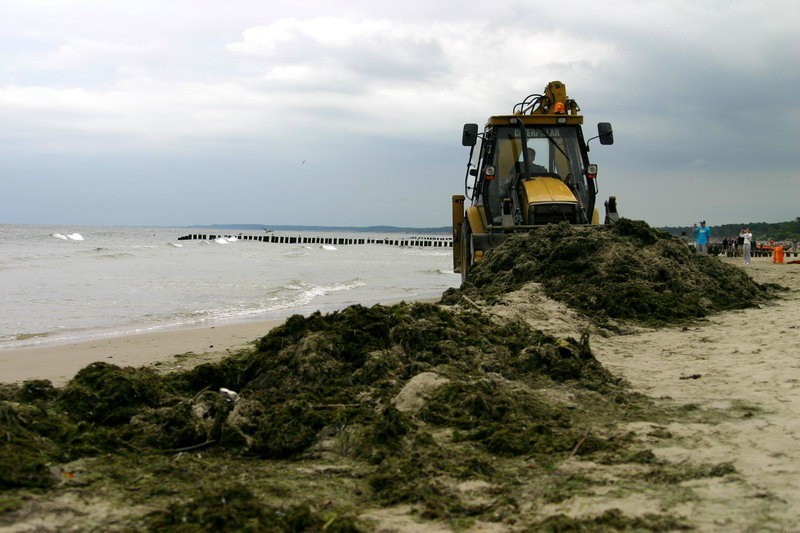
(526,170)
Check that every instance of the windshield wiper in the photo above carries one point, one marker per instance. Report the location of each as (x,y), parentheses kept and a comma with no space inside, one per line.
(552,140)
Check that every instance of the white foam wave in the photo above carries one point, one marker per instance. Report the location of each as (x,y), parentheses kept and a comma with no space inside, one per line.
(75,237)
(441,252)
(316,291)
(225,240)
(176,245)
(307,294)
(297,253)
(329,247)
(60,236)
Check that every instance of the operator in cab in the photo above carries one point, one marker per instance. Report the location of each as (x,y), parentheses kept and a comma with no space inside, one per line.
(534,168)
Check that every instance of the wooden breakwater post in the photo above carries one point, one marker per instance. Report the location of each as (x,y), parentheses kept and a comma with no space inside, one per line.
(430,241)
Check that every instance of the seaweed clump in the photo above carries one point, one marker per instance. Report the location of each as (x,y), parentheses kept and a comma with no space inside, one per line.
(318,386)
(236,508)
(344,370)
(626,270)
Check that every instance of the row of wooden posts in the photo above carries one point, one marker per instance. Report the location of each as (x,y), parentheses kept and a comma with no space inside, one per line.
(423,241)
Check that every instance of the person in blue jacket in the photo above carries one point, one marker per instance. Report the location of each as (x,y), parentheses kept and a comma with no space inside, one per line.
(702,236)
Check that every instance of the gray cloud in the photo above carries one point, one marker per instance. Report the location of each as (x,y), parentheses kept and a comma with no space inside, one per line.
(330,54)
(190,97)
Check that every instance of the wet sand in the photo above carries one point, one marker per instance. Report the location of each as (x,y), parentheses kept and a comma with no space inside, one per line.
(60,362)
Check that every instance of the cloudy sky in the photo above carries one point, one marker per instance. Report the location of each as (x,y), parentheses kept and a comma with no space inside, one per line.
(349,112)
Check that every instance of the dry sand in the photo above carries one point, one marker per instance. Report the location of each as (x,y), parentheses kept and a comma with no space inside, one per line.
(743,366)
(739,370)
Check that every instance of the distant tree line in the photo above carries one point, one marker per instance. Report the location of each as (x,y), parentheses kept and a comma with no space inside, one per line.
(361,229)
(762,231)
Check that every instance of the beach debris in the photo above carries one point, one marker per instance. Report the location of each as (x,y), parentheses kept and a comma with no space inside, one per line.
(229,394)
(626,270)
(390,405)
(236,507)
(412,396)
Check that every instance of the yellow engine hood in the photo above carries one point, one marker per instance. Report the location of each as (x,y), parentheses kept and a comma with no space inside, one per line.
(547,190)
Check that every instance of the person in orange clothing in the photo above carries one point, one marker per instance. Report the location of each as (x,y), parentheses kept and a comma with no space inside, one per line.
(777,254)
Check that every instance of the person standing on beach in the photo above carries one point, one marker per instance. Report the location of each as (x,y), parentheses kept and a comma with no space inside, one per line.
(747,237)
(702,237)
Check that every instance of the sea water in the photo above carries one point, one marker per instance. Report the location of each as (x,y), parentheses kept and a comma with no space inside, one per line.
(66,284)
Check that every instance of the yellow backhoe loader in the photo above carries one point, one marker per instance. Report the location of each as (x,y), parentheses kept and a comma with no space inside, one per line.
(526,169)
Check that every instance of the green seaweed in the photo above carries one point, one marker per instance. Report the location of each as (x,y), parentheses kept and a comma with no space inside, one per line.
(314,433)
(626,270)
(611,520)
(234,507)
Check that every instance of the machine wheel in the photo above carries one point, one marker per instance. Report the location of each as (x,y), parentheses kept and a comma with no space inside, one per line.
(466,250)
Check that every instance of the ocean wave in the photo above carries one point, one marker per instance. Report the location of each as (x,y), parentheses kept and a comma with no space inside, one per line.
(313,292)
(296,253)
(68,236)
(304,294)
(75,237)
(24,336)
(329,247)
(440,252)
(101,252)
(437,271)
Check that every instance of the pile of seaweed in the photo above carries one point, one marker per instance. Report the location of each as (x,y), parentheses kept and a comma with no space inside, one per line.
(332,414)
(626,270)
(414,397)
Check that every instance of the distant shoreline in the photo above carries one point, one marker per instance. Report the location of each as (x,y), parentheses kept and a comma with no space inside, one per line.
(360,229)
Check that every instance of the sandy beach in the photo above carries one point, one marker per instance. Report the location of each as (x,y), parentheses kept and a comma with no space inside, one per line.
(735,374)
(60,362)
(740,370)
(169,348)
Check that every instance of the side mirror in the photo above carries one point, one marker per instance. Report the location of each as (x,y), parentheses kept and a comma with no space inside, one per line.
(470,135)
(605,132)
